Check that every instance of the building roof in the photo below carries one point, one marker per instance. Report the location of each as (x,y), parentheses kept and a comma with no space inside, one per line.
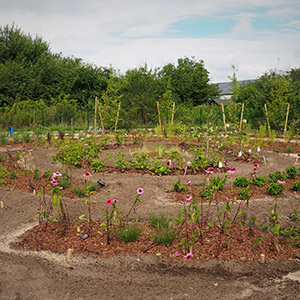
(226,87)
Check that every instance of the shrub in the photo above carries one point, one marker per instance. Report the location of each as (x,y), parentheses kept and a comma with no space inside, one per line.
(274,177)
(179,187)
(160,221)
(275,188)
(129,233)
(165,236)
(291,172)
(97,166)
(295,186)
(259,181)
(13,175)
(241,182)
(3,175)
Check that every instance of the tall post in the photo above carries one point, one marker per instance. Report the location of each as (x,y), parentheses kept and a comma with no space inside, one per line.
(269,128)
(95,117)
(101,119)
(173,110)
(158,114)
(224,119)
(286,119)
(242,115)
(117,118)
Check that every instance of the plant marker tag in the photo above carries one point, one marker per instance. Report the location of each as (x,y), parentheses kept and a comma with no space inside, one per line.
(258,149)
(155,202)
(262,258)
(69,254)
(1,204)
(159,258)
(33,192)
(240,154)
(250,150)
(220,165)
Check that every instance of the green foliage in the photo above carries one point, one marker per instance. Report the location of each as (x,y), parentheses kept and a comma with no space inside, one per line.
(159,221)
(292,172)
(97,166)
(79,191)
(275,188)
(165,236)
(245,194)
(241,182)
(259,181)
(13,175)
(295,186)
(292,233)
(274,177)
(3,175)
(3,138)
(289,149)
(179,187)
(128,233)
(215,184)
(26,137)
(36,174)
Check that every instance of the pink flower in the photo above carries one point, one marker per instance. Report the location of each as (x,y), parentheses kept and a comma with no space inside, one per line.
(169,163)
(177,254)
(229,199)
(281,181)
(110,201)
(210,170)
(189,256)
(188,163)
(256,165)
(188,197)
(87,174)
(188,182)
(140,191)
(232,170)
(225,163)
(56,174)
(54,182)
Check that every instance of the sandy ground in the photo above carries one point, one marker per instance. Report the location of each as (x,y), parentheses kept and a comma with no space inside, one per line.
(42,275)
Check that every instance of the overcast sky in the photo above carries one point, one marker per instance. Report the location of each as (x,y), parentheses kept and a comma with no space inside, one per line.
(255,36)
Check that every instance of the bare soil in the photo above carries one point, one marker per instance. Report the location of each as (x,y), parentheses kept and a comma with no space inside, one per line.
(123,272)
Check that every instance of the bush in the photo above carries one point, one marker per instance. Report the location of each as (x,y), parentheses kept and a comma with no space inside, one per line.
(13,175)
(295,186)
(129,233)
(274,177)
(179,187)
(97,166)
(291,172)
(275,188)
(241,182)
(165,236)
(259,181)
(160,221)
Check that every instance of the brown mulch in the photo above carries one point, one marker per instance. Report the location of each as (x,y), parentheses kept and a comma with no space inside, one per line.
(233,243)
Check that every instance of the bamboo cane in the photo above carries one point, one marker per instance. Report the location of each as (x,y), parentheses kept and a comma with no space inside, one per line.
(286,120)
(117,118)
(242,114)
(173,110)
(158,114)
(95,117)
(224,119)
(101,119)
(269,128)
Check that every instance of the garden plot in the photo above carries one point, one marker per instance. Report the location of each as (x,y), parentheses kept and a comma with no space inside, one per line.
(221,249)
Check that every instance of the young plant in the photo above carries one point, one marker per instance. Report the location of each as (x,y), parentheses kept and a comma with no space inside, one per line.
(13,175)
(128,233)
(97,166)
(259,181)
(165,236)
(241,182)
(275,188)
(292,172)
(3,175)
(295,186)
(179,187)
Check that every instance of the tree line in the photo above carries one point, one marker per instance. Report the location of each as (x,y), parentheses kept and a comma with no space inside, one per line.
(38,87)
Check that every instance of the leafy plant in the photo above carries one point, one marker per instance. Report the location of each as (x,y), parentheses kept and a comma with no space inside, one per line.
(165,236)
(13,175)
(159,221)
(241,182)
(97,166)
(79,191)
(179,187)
(259,181)
(295,186)
(3,138)
(275,188)
(274,177)
(26,137)
(289,149)
(128,233)
(3,175)
(292,172)
(36,174)
(245,194)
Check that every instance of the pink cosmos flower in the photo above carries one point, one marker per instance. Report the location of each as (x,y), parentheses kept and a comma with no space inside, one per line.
(87,174)
(177,254)
(210,170)
(140,191)
(232,170)
(189,256)
(281,181)
(188,182)
(188,197)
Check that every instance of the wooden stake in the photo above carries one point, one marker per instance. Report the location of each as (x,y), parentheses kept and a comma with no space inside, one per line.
(286,120)
(95,117)
(242,114)
(224,119)
(158,114)
(118,113)
(269,128)
(101,119)
(173,110)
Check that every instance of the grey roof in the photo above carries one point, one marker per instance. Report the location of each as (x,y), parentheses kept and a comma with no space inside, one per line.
(225,87)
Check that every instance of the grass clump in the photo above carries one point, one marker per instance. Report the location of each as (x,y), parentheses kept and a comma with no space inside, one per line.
(160,221)
(128,233)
